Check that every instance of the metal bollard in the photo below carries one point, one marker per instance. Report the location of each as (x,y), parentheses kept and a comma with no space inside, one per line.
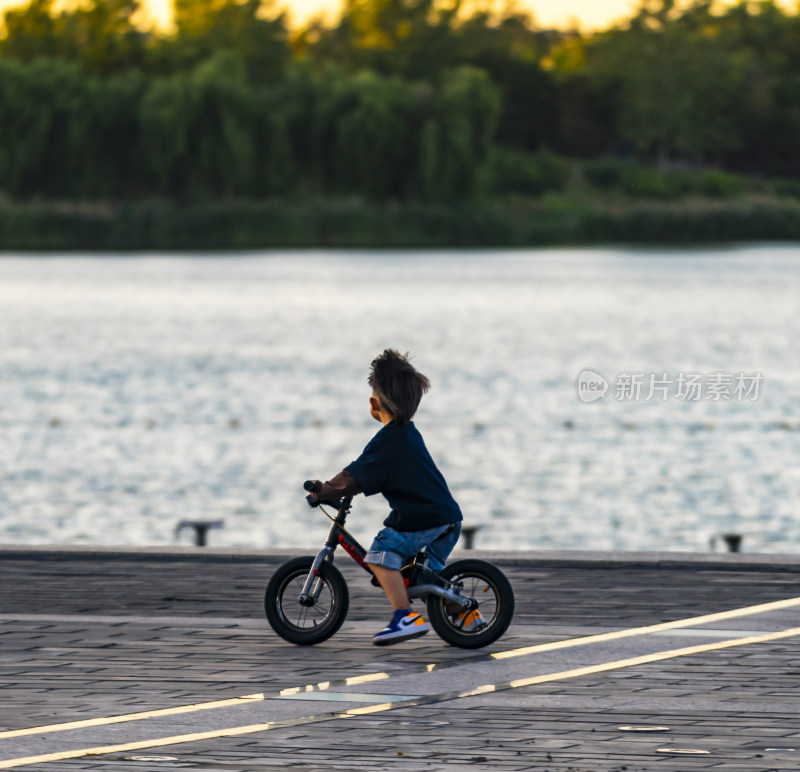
(733,540)
(468,535)
(201,528)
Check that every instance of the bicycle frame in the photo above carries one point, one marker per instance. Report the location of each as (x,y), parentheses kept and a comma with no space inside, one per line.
(339,535)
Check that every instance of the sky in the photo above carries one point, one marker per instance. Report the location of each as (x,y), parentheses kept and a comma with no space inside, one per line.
(585,14)
(590,14)
(548,13)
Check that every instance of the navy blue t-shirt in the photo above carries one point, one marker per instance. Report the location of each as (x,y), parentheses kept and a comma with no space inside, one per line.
(397,464)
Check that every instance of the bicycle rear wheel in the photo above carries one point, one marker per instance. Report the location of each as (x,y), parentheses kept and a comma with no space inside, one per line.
(485,584)
(306,625)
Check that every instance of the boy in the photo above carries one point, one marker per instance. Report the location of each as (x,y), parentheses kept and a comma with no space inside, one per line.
(424,514)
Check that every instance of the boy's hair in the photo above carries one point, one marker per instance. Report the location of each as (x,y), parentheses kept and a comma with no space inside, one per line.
(397,384)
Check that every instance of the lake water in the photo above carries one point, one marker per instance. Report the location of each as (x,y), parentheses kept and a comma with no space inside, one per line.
(138,391)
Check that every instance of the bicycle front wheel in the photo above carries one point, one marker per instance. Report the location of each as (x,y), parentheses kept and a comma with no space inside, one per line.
(306,625)
(487,586)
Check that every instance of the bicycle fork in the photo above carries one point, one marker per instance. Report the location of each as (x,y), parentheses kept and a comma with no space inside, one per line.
(312,588)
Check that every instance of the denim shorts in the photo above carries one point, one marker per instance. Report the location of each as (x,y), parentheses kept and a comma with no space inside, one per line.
(393,549)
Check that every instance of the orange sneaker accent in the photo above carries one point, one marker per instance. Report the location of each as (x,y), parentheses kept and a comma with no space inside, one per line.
(469,620)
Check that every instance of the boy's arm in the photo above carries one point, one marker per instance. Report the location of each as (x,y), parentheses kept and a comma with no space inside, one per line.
(344,484)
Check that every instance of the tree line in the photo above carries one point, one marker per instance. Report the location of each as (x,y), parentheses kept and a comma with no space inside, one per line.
(406,100)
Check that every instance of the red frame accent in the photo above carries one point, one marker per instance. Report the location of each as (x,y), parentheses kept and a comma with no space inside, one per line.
(353,549)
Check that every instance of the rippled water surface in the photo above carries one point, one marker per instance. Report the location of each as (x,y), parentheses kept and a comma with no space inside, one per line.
(139,391)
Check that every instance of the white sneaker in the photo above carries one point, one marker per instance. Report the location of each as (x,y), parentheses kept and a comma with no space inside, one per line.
(403,627)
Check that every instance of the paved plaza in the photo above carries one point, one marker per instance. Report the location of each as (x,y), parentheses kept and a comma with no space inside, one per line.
(125,660)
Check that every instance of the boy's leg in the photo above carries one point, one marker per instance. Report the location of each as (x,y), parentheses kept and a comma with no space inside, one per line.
(385,559)
(438,551)
(393,585)
(440,548)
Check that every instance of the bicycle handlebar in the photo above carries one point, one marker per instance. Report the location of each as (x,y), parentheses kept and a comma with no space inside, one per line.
(313,486)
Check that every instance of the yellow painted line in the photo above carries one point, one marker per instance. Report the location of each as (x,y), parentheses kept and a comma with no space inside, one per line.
(104,749)
(721,616)
(103,721)
(178,710)
(520,652)
(383,707)
(363,679)
(656,657)
(371,709)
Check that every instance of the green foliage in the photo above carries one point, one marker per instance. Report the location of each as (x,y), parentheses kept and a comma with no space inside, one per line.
(787,188)
(99,34)
(716,183)
(513,172)
(364,134)
(65,134)
(677,85)
(458,141)
(205,27)
(635,180)
(408,38)
(198,130)
(607,172)
(650,183)
(244,224)
(400,101)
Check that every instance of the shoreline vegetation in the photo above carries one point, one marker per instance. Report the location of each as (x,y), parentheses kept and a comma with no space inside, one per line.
(272,224)
(403,123)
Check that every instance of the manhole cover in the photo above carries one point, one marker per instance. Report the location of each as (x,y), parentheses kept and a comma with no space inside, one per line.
(683,751)
(643,728)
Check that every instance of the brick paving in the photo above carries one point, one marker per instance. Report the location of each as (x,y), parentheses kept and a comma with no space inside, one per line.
(90,634)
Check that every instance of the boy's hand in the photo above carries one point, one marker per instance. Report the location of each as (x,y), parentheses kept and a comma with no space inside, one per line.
(312,486)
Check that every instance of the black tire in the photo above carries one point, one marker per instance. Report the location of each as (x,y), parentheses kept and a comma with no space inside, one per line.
(486,584)
(305,625)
